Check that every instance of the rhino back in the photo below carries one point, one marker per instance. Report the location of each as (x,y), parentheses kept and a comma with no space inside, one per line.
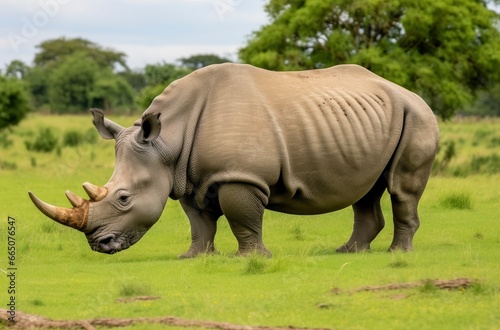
(314,141)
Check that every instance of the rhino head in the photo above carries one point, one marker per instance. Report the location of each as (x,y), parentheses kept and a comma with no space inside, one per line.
(118,214)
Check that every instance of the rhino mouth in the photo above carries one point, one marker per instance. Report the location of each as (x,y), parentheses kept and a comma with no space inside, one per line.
(112,243)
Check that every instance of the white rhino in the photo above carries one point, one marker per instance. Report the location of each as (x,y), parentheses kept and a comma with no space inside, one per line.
(234,140)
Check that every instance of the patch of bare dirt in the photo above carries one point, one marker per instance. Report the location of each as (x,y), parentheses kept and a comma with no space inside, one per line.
(453,284)
(28,321)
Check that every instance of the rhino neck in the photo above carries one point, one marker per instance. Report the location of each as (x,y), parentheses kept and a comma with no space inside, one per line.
(180,106)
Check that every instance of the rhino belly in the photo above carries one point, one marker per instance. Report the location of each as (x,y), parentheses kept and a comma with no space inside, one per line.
(321,192)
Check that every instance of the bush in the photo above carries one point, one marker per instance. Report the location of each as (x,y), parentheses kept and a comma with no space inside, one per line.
(447,151)
(91,136)
(494,142)
(458,201)
(73,138)
(131,289)
(5,142)
(486,164)
(6,165)
(45,141)
(14,102)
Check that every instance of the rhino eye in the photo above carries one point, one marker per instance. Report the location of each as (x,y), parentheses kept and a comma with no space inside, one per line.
(124,199)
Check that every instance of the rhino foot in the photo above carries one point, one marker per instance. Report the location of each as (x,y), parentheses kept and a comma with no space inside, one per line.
(261,250)
(194,252)
(402,248)
(353,248)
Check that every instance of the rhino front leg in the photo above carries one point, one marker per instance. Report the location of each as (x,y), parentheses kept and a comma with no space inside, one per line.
(243,205)
(368,219)
(203,228)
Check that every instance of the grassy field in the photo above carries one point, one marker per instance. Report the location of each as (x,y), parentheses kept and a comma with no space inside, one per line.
(305,284)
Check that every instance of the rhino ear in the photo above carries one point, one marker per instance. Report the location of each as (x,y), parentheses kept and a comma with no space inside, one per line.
(107,128)
(150,128)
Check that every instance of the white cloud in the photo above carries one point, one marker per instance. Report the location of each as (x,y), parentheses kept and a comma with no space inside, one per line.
(146,30)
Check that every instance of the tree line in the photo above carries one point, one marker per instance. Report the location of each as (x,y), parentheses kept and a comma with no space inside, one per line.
(447,51)
(71,75)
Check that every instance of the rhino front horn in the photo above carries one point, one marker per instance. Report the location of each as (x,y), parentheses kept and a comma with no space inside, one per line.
(76,217)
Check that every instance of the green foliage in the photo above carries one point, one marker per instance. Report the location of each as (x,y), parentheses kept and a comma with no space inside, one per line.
(38,85)
(135,78)
(6,165)
(459,201)
(157,78)
(134,289)
(45,140)
(428,287)
(447,151)
(14,102)
(71,75)
(468,146)
(54,51)
(487,103)
(399,260)
(256,265)
(111,91)
(75,138)
(444,50)
(163,73)
(5,142)
(17,69)
(91,136)
(147,95)
(485,164)
(199,61)
(71,84)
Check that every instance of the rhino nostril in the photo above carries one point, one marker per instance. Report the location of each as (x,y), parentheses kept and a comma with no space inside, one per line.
(106,240)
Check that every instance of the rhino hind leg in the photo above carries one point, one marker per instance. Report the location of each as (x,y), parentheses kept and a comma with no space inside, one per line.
(203,228)
(408,176)
(368,219)
(243,205)
(405,193)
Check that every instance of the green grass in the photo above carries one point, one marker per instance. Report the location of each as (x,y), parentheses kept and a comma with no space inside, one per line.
(61,278)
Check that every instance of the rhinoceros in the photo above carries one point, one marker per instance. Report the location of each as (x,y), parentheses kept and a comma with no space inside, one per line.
(234,140)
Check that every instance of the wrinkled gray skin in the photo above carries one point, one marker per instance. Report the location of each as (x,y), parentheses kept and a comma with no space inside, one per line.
(234,139)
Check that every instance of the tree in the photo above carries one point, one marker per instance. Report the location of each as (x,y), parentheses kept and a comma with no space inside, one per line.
(14,102)
(38,85)
(111,91)
(158,77)
(163,73)
(72,75)
(71,84)
(55,50)
(199,61)
(487,103)
(445,50)
(18,69)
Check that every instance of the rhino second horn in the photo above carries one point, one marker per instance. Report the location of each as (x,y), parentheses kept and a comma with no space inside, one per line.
(75,218)
(95,193)
(74,199)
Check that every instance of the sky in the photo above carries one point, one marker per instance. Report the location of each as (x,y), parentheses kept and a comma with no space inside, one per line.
(148,31)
